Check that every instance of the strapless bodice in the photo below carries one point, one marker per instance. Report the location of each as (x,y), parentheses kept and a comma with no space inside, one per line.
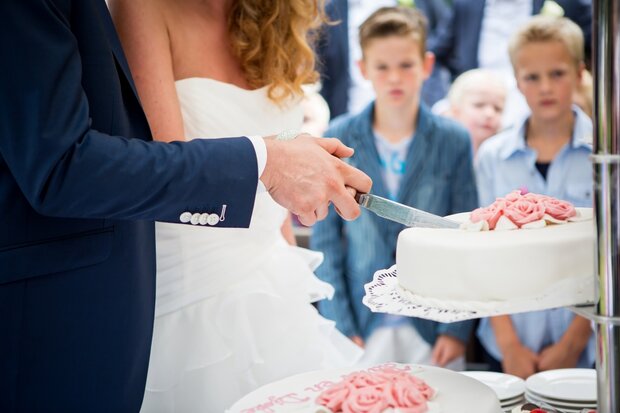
(212,109)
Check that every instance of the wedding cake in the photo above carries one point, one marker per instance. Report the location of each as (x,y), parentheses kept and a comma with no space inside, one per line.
(386,388)
(516,247)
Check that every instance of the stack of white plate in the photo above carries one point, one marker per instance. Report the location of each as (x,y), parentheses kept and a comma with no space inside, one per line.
(510,389)
(567,390)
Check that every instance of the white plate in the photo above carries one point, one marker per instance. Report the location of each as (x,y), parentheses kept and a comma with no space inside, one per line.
(577,385)
(559,402)
(518,399)
(534,398)
(506,386)
(299,392)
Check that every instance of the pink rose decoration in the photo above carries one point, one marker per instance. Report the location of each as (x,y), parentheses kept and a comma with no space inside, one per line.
(366,400)
(426,390)
(513,196)
(334,396)
(363,379)
(406,397)
(372,392)
(490,214)
(524,211)
(561,210)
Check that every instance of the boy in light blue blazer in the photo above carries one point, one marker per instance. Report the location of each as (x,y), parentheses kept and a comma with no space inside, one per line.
(413,157)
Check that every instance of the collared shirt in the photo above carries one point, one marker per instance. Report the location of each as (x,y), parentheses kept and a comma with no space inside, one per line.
(506,163)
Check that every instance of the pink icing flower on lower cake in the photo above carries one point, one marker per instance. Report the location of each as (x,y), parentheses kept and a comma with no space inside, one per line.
(371,399)
(525,210)
(365,392)
(363,379)
(334,396)
(407,397)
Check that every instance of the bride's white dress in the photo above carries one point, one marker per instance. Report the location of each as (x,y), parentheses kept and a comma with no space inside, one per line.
(233,306)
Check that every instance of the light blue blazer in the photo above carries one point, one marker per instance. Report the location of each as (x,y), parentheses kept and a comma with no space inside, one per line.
(439,178)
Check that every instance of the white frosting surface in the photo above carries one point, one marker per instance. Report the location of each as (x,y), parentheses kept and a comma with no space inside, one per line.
(297,394)
(457,264)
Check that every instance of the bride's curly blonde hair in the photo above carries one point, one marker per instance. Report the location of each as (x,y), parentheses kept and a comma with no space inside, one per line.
(273,40)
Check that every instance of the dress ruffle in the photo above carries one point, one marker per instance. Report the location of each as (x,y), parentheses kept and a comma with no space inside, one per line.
(262,328)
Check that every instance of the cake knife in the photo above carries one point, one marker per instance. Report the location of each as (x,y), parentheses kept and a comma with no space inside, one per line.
(402,214)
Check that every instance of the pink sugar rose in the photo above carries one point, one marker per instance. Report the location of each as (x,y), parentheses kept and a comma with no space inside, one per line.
(363,379)
(561,210)
(536,197)
(490,214)
(513,196)
(426,390)
(334,396)
(524,211)
(406,397)
(371,399)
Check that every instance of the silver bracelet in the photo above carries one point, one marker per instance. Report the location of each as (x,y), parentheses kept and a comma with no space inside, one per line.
(288,135)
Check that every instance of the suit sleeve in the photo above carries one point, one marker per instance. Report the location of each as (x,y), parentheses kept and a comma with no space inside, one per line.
(67,169)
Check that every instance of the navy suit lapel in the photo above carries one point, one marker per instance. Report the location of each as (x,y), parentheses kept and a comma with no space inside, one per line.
(115,43)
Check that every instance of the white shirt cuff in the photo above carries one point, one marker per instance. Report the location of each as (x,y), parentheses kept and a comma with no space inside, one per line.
(261,159)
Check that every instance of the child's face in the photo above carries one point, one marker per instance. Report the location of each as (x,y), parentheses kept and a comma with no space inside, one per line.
(547,76)
(396,67)
(480,111)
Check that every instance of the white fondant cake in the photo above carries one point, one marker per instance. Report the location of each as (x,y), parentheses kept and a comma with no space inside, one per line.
(453,392)
(475,264)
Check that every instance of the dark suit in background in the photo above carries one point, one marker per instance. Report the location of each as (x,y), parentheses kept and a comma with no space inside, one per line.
(457,41)
(80,186)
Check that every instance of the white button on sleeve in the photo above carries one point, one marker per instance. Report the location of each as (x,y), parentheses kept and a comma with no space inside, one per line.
(195,219)
(213,219)
(185,217)
(203,219)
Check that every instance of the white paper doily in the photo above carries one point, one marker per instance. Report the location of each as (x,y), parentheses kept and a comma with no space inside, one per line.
(385,295)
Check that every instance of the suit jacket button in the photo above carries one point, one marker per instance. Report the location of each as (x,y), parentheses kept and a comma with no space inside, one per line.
(204,218)
(213,219)
(185,217)
(195,219)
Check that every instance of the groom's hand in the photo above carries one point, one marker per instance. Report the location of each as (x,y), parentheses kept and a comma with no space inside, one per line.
(305,174)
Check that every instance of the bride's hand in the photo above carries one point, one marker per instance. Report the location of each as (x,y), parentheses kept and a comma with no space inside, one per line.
(305,174)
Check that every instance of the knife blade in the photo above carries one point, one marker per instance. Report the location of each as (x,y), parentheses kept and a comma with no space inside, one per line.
(403,214)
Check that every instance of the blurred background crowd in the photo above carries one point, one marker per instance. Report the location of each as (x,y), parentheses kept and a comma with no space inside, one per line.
(448,105)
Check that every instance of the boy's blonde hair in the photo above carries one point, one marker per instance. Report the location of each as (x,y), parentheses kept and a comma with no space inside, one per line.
(472,79)
(394,21)
(545,29)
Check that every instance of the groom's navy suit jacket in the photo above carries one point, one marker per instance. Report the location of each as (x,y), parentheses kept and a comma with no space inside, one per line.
(80,187)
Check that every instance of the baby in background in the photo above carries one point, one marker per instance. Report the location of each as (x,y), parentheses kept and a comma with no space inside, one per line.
(476,100)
